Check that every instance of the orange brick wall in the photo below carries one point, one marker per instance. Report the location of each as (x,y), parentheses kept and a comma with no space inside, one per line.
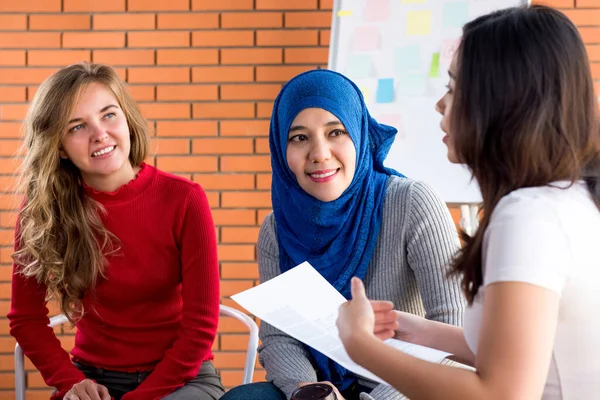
(205,73)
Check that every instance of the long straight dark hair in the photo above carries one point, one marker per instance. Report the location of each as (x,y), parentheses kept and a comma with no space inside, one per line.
(524,113)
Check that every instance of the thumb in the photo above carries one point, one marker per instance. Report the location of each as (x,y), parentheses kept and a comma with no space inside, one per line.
(357,289)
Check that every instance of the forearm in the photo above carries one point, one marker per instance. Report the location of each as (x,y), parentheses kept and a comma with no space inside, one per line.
(448,338)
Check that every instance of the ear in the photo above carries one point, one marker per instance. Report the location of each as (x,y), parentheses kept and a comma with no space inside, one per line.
(62,154)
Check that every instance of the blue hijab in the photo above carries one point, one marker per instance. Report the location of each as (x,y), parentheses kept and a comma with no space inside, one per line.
(338,238)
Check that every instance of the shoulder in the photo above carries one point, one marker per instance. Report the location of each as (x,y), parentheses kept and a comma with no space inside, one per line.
(176,186)
(412,196)
(267,237)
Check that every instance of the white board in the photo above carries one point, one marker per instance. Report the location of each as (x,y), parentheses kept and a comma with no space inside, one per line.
(388,48)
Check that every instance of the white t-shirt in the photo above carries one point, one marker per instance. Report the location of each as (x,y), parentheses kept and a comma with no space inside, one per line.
(550,237)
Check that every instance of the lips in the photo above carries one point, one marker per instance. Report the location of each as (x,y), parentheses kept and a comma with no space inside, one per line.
(104,150)
(323,174)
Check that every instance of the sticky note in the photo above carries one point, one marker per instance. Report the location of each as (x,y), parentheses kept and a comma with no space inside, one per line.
(434,69)
(413,2)
(385,91)
(455,14)
(366,38)
(407,58)
(413,84)
(359,66)
(366,93)
(394,120)
(447,51)
(377,10)
(344,13)
(418,23)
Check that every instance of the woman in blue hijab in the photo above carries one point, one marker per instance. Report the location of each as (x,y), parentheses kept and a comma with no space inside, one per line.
(338,207)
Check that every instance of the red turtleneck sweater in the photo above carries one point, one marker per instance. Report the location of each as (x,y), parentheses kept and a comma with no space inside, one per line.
(157,309)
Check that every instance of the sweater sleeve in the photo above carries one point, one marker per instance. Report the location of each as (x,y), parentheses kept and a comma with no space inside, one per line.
(28,320)
(432,243)
(285,359)
(200,295)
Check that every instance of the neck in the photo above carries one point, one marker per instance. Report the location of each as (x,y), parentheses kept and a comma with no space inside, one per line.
(114,181)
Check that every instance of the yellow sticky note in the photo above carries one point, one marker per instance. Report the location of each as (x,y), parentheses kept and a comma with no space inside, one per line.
(418,23)
(365,93)
(344,13)
(413,1)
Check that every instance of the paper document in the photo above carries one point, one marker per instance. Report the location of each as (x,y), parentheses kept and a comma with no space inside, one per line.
(301,303)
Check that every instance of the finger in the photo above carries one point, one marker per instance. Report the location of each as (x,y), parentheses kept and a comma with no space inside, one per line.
(71,396)
(81,393)
(304,384)
(93,391)
(393,325)
(384,335)
(382,305)
(103,392)
(385,318)
(358,289)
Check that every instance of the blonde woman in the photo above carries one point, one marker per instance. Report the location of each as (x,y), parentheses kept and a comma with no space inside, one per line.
(128,251)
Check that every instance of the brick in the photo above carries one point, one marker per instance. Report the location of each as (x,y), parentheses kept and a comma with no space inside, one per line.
(13,22)
(234,342)
(97,40)
(252,20)
(158,39)
(9,201)
(24,75)
(324,37)
(229,217)
(222,146)
(64,22)
(9,130)
(308,55)
(229,288)
(264,110)
(246,199)
(223,110)
(10,94)
(230,252)
(227,182)
(239,235)
(587,3)
(189,164)
(263,181)
(124,57)
(165,110)
(596,70)
(584,17)
(229,359)
(222,5)
(8,184)
(186,128)
(593,52)
(57,58)
(222,38)
(287,5)
(187,56)
(239,271)
(93,5)
(249,92)
(287,37)
(590,35)
(158,5)
(170,146)
(312,19)
(214,199)
(251,56)
(188,20)
(30,6)
(187,92)
(281,73)
(245,128)
(222,74)
(245,164)
(12,58)
(261,146)
(13,112)
(123,22)
(159,75)
(556,3)
(29,40)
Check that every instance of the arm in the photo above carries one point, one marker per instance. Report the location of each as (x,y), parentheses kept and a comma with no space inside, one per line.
(200,295)
(29,321)
(285,359)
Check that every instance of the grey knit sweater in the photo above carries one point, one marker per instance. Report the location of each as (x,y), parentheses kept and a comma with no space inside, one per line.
(416,242)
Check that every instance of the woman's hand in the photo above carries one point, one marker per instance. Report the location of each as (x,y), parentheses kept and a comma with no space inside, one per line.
(87,389)
(335,390)
(385,319)
(356,318)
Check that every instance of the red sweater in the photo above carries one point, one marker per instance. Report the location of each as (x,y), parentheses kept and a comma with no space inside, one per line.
(157,310)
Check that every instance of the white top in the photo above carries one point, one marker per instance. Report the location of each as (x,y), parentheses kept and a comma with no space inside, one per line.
(550,236)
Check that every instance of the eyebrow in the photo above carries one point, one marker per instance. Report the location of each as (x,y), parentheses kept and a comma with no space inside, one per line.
(301,127)
(100,112)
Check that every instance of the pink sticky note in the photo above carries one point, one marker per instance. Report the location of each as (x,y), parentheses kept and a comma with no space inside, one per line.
(448,49)
(394,120)
(366,38)
(377,10)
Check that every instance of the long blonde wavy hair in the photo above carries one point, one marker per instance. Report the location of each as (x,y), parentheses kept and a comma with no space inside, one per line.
(61,240)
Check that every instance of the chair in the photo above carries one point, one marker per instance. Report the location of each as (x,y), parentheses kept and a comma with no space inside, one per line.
(224,311)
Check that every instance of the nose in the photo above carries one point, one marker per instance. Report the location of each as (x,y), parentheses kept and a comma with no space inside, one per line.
(320,151)
(440,107)
(99,135)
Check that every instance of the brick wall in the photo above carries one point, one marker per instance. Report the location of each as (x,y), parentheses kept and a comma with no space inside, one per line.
(205,73)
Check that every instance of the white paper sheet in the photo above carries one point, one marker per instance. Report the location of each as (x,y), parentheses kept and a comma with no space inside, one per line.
(301,303)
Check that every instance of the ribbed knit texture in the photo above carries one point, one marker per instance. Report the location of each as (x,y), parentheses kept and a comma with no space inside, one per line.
(157,310)
(416,242)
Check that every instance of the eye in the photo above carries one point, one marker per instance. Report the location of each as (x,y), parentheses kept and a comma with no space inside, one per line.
(110,115)
(76,128)
(449,88)
(337,132)
(298,138)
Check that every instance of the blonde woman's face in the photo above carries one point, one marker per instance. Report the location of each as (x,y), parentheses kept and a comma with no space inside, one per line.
(97,139)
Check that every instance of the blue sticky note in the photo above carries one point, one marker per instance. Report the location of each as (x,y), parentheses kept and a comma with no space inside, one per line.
(456,14)
(385,91)
(413,84)
(407,58)
(359,66)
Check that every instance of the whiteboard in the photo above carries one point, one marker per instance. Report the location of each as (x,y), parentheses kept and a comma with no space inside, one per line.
(398,53)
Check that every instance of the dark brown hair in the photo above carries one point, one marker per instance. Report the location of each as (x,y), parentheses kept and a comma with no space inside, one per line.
(524,113)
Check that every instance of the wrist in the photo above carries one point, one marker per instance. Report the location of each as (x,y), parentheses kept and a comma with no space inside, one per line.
(357,345)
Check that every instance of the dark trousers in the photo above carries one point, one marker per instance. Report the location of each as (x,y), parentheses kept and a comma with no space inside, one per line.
(205,386)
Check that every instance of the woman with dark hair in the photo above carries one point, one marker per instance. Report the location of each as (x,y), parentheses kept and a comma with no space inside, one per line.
(520,112)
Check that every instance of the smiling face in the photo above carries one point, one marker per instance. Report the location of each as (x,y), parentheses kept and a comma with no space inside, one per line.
(321,154)
(444,107)
(97,139)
